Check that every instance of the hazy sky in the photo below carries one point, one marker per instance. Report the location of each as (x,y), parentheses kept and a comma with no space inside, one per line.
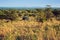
(29,3)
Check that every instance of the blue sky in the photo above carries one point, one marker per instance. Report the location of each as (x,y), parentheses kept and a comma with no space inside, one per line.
(29,3)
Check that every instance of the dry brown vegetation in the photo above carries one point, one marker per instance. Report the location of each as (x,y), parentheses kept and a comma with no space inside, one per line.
(30,30)
(37,24)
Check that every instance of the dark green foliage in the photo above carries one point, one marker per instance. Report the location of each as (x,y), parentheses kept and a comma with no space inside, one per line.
(46,28)
(32,14)
(1,12)
(45,36)
(19,38)
(57,27)
(40,15)
(56,12)
(25,18)
(34,37)
(26,37)
(19,14)
(48,13)
(11,14)
(40,20)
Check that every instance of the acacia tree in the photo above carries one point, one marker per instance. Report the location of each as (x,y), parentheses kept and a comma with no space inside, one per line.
(41,16)
(48,12)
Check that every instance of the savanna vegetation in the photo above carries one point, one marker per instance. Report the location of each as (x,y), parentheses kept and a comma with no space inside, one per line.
(30,24)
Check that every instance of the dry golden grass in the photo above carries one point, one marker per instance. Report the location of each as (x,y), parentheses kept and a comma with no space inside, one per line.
(33,29)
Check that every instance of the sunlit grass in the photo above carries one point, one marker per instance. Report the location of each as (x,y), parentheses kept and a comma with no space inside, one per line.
(30,30)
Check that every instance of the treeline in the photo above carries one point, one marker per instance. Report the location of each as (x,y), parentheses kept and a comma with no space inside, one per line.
(39,14)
